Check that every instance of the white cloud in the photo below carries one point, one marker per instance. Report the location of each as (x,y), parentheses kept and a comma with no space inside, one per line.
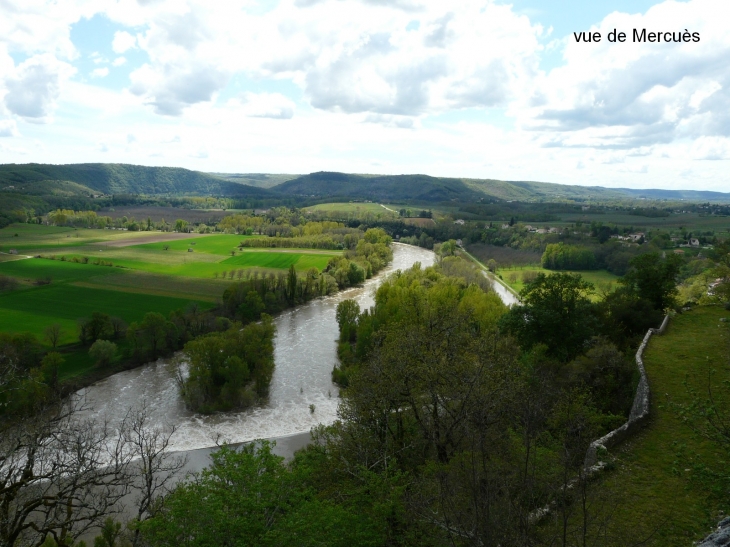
(8,128)
(100,72)
(32,26)
(123,41)
(637,94)
(267,105)
(171,88)
(119,61)
(35,85)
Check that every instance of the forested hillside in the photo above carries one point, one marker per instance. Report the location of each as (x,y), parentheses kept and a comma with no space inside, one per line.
(418,188)
(115,178)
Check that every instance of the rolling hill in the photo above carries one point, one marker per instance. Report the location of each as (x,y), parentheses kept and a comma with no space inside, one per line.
(427,189)
(417,188)
(87,178)
(117,178)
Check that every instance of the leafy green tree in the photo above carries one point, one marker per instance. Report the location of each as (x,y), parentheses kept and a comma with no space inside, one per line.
(98,326)
(556,311)
(252,307)
(111,532)
(347,315)
(245,496)
(155,331)
(103,351)
(291,284)
(181,225)
(227,369)
(654,278)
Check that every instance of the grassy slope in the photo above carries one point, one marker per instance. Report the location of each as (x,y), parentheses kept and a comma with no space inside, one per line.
(654,492)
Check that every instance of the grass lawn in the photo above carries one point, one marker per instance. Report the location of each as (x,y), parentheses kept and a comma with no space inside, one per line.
(657,492)
(514,277)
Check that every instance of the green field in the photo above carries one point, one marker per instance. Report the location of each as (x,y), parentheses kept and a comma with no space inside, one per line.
(659,493)
(63,303)
(349,207)
(213,244)
(142,277)
(45,238)
(601,279)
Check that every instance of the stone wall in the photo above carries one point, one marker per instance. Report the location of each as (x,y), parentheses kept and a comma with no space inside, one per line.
(639,410)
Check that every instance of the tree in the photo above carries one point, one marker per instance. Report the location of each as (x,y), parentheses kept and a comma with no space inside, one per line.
(244,497)
(118,325)
(61,475)
(156,467)
(227,369)
(654,278)
(347,314)
(252,307)
(181,225)
(155,329)
(103,351)
(50,366)
(53,334)
(291,284)
(556,311)
(98,326)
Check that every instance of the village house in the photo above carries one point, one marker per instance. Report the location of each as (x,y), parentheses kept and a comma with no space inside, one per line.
(637,236)
(459,221)
(694,242)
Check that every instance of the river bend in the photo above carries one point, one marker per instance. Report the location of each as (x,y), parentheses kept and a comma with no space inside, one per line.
(305,351)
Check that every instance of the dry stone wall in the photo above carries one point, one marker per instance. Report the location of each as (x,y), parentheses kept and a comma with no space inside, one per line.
(639,410)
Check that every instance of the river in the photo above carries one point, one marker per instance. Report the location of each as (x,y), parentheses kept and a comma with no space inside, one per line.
(305,351)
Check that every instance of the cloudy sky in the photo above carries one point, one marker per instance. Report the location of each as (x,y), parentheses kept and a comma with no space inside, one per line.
(470,88)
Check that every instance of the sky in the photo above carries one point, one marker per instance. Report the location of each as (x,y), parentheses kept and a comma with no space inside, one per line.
(465,88)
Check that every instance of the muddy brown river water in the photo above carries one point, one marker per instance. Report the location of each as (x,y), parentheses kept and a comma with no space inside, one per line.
(305,351)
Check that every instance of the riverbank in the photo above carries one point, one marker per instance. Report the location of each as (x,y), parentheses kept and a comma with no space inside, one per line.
(508,295)
(301,395)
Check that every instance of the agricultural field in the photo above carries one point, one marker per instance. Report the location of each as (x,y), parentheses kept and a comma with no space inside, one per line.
(349,207)
(121,273)
(688,221)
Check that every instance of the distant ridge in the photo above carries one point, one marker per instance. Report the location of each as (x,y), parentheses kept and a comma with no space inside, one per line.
(116,178)
(424,188)
(119,178)
(379,187)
